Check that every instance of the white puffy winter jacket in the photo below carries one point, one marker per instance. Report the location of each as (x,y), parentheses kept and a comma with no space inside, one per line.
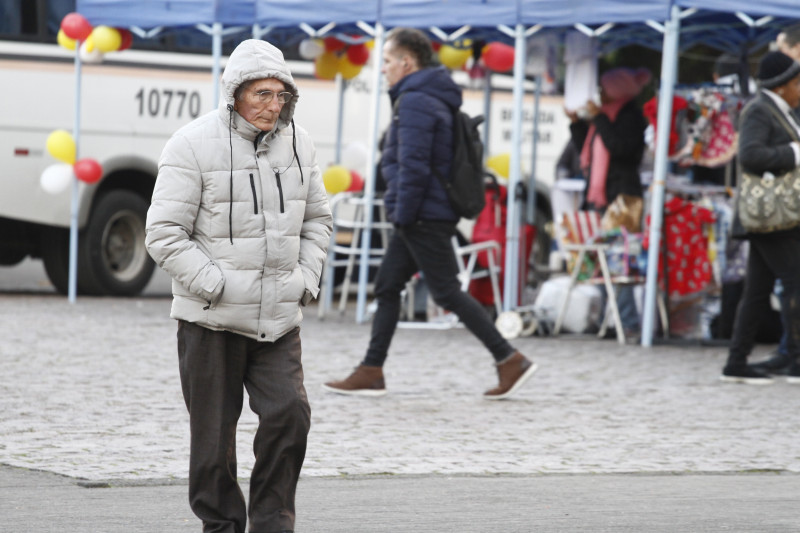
(240,219)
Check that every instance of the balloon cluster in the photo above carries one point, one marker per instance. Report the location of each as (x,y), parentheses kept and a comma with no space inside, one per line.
(56,178)
(495,56)
(345,176)
(94,42)
(332,56)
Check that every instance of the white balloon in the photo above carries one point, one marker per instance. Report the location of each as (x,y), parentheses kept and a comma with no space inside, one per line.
(56,178)
(354,156)
(95,56)
(310,48)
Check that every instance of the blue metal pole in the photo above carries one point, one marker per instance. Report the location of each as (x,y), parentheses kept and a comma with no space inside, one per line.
(487,110)
(369,185)
(530,214)
(72,281)
(340,88)
(216,52)
(511,275)
(668,77)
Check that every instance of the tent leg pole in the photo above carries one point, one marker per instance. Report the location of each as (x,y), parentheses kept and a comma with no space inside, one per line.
(216,52)
(72,274)
(666,89)
(369,185)
(511,276)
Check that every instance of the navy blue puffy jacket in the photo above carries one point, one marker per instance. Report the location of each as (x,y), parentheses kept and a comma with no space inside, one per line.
(420,136)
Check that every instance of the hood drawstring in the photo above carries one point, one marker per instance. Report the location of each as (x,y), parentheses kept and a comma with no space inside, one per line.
(294,147)
(230,143)
(295,157)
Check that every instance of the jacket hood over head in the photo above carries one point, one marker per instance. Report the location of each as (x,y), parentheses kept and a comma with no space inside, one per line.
(254,59)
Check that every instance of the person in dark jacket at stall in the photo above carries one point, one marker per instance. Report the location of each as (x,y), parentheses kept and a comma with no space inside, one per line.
(420,137)
(612,146)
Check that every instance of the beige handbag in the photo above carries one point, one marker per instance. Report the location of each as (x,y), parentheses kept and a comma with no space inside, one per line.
(624,212)
(770,203)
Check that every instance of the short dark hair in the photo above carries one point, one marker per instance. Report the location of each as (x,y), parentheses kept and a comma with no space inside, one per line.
(726,64)
(791,34)
(415,42)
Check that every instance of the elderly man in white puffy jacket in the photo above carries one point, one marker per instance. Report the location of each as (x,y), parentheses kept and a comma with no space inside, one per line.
(240,220)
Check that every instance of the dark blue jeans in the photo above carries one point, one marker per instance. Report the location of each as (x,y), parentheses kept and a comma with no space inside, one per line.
(426,247)
(770,258)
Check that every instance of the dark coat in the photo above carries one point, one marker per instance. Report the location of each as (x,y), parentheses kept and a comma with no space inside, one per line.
(763,140)
(624,139)
(420,137)
(764,147)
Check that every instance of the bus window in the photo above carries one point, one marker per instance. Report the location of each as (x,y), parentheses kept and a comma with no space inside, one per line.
(37,20)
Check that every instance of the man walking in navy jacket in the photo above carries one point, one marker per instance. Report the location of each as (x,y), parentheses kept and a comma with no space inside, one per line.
(420,138)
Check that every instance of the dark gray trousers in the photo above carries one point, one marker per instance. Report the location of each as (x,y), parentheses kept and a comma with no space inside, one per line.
(770,258)
(215,368)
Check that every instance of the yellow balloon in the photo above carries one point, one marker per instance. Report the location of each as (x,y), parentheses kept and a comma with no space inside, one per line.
(106,38)
(88,44)
(500,163)
(452,57)
(61,146)
(65,41)
(336,179)
(326,66)
(370,44)
(347,69)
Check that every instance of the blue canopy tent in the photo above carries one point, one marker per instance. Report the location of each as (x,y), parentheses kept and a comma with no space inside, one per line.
(668,24)
(148,18)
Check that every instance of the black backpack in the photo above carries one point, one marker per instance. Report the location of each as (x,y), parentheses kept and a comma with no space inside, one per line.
(465,185)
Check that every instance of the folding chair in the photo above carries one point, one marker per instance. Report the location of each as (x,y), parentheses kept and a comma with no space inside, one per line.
(348,209)
(582,233)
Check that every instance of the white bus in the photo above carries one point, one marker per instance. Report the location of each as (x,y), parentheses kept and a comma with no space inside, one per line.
(131,103)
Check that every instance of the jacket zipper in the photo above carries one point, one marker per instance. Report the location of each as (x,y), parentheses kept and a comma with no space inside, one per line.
(255,198)
(280,189)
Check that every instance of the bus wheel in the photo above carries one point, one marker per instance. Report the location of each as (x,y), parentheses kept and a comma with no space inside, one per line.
(55,255)
(112,246)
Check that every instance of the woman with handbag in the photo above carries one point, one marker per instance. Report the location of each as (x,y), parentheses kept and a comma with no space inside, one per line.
(768,215)
(611,137)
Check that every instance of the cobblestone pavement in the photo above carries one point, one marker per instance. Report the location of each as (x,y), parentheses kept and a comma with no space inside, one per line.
(91,390)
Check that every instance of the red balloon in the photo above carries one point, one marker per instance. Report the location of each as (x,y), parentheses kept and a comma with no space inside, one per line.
(88,170)
(127,39)
(356,182)
(332,44)
(499,57)
(76,27)
(358,54)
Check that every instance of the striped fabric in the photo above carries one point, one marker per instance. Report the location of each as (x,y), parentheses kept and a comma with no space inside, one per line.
(581,226)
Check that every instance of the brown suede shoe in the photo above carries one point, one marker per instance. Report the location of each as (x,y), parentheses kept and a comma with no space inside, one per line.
(512,373)
(364,381)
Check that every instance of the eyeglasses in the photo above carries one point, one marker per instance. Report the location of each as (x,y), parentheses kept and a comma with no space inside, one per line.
(265,97)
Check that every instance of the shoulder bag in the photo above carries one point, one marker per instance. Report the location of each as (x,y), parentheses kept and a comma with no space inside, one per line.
(770,203)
